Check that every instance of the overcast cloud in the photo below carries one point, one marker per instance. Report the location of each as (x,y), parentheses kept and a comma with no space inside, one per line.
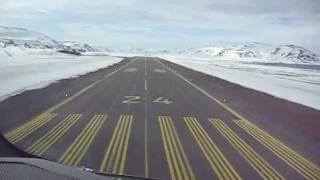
(169,23)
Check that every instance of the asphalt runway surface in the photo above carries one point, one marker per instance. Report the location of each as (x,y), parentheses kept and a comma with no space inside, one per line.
(148,117)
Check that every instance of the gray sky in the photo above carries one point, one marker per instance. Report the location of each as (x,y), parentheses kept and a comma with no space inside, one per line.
(169,23)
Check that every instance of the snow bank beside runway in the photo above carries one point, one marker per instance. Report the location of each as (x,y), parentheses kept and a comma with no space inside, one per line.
(300,84)
(31,69)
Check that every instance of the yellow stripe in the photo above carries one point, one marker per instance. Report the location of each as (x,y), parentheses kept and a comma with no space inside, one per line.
(213,154)
(256,161)
(119,148)
(103,167)
(22,132)
(173,152)
(122,149)
(124,152)
(300,164)
(115,157)
(183,162)
(32,128)
(91,138)
(42,142)
(40,146)
(57,106)
(166,148)
(203,148)
(68,154)
(24,126)
(220,165)
(78,148)
(309,164)
(189,170)
(45,142)
(227,170)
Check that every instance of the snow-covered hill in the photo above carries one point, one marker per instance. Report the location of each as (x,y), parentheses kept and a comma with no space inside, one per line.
(295,53)
(80,47)
(261,52)
(27,39)
(20,37)
(253,52)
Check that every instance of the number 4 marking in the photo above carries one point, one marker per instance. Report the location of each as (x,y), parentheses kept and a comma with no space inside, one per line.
(162,100)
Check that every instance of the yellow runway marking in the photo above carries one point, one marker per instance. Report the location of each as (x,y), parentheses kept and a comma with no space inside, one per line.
(115,157)
(11,135)
(315,171)
(296,161)
(24,130)
(178,163)
(220,165)
(256,161)
(80,145)
(46,141)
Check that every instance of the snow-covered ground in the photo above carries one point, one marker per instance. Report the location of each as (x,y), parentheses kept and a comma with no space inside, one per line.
(28,60)
(297,83)
(23,69)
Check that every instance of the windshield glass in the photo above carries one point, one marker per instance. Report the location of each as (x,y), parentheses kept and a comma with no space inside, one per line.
(181,89)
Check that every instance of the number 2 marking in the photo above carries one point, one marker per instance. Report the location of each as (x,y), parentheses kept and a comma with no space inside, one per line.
(131,99)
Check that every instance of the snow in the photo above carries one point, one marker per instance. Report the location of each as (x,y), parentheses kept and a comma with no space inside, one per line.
(246,52)
(21,34)
(296,83)
(29,69)
(78,46)
(259,52)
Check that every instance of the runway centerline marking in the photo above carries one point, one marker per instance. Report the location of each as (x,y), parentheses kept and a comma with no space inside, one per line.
(146,161)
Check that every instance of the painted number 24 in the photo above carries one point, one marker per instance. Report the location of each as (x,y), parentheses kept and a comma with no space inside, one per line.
(136,99)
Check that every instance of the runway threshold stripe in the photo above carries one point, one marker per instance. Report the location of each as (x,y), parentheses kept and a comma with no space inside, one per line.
(46,141)
(116,154)
(293,159)
(255,160)
(179,166)
(26,125)
(220,165)
(75,152)
(24,130)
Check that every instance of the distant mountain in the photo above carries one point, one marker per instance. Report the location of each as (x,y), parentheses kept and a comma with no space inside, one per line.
(295,53)
(12,36)
(280,53)
(250,51)
(27,39)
